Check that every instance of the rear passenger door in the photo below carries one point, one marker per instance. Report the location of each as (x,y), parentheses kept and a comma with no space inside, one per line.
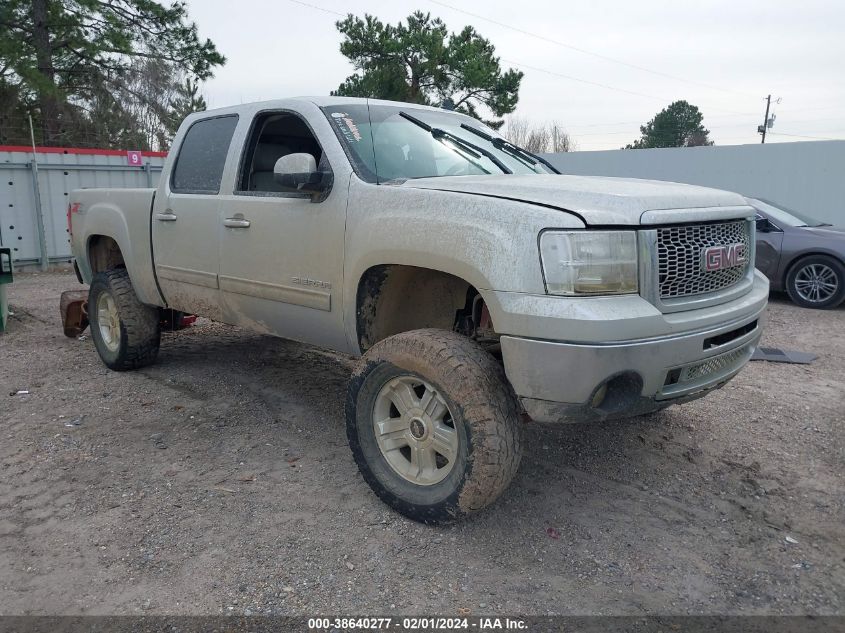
(186,222)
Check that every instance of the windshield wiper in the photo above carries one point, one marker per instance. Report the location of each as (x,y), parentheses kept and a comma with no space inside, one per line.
(462,144)
(527,158)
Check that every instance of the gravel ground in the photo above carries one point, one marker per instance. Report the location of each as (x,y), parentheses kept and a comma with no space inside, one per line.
(219,481)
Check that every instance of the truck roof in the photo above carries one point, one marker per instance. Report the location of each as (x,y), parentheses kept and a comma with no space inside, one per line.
(319,101)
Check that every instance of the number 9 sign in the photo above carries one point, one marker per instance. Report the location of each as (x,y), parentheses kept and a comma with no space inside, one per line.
(133,157)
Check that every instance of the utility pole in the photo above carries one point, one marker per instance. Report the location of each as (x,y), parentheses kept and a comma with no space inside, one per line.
(762,128)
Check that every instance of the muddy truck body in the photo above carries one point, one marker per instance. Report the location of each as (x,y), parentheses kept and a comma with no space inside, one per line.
(478,286)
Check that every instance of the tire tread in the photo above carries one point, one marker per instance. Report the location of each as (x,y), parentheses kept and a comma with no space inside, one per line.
(139,322)
(476,381)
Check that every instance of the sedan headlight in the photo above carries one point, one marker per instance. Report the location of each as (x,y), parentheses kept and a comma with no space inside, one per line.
(589,262)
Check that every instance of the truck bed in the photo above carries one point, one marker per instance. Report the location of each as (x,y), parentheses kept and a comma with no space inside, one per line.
(123,214)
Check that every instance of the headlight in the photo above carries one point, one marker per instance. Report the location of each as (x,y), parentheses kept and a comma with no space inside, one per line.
(589,262)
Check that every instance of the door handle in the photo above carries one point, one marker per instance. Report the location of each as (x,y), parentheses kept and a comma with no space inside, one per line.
(167,216)
(236,223)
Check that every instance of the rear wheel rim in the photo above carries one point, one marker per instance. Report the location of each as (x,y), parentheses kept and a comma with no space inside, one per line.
(816,283)
(415,430)
(108,321)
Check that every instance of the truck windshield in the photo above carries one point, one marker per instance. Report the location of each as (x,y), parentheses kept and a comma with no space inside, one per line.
(388,143)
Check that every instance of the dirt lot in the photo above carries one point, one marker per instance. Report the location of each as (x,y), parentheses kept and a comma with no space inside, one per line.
(219,481)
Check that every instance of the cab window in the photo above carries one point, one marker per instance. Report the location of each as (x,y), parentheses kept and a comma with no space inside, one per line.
(202,156)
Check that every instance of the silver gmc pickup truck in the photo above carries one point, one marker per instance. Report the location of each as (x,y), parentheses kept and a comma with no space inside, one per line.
(476,283)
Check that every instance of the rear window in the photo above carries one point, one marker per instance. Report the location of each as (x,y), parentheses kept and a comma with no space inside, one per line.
(202,156)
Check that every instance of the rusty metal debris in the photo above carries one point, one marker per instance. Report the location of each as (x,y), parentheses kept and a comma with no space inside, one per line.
(74,308)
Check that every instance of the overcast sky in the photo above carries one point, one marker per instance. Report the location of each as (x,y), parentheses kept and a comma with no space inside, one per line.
(724,56)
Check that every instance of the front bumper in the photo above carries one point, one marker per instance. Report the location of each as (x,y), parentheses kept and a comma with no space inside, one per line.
(575,381)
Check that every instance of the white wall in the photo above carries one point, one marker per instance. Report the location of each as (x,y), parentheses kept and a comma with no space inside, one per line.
(806,176)
(59,173)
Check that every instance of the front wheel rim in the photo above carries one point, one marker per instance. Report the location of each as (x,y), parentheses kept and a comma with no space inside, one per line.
(415,430)
(108,321)
(816,283)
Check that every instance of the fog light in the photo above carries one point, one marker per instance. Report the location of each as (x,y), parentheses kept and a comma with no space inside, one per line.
(618,393)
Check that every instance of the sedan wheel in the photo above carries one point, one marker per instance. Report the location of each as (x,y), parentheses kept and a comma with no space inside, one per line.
(817,282)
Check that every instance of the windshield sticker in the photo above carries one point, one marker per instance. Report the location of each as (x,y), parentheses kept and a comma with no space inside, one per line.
(347,126)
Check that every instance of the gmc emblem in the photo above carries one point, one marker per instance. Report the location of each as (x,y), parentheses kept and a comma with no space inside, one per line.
(723,256)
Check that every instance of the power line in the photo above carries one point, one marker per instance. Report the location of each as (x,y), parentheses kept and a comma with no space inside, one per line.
(588,52)
(580,134)
(706,118)
(837,118)
(601,85)
(744,140)
(314,6)
(716,128)
(609,123)
(839,107)
(534,68)
(578,79)
(583,81)
(818,138)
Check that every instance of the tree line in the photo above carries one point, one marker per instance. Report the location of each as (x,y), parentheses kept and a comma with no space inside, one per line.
(108,73)
(124,73)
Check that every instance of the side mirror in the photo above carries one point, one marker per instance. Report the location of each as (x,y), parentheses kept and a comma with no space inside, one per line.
(298,173)
(763,225)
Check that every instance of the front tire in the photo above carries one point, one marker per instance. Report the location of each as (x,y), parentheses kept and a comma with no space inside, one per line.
(817,281)
(433,425)
(126,332)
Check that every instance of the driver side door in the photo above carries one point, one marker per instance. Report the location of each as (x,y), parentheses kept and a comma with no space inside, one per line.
(281,254)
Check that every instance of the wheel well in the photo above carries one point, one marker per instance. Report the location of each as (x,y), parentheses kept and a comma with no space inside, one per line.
(104,253)
(395,298)
(798,258)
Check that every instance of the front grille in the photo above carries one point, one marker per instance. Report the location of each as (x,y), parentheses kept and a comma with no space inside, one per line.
(679,258)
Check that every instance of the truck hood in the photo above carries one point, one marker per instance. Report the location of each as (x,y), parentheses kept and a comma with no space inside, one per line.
(598,200)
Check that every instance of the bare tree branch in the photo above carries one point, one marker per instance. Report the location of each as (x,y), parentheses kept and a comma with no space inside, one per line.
(539,138)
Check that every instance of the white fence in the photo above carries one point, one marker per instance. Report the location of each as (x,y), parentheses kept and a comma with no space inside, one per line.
(809,177)
(805,176)
(34,190)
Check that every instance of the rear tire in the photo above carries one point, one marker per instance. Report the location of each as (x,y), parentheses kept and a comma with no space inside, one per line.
(125,331)
(817,281)
(433,425)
